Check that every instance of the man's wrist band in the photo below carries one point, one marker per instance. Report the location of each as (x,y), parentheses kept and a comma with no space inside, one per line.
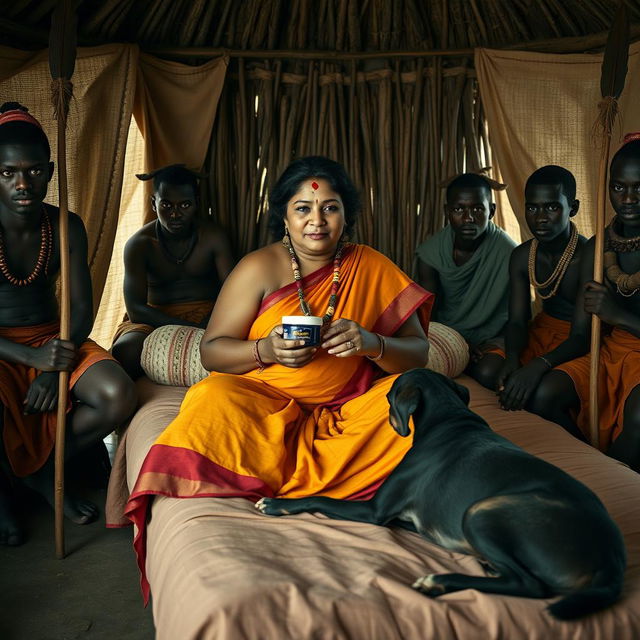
(382,345)
(256,356)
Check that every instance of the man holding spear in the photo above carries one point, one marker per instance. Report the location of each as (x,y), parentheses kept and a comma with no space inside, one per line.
(31,354)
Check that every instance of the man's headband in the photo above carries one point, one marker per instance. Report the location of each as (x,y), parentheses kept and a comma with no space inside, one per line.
(17,115)
(631,137)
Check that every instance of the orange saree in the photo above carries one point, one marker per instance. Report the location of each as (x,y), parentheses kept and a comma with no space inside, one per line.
(321,429)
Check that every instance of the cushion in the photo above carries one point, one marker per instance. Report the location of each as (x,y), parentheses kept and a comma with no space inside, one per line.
(448,352)
(171,355)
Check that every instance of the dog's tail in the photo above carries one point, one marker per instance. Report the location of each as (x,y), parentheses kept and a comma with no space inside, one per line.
(602,592)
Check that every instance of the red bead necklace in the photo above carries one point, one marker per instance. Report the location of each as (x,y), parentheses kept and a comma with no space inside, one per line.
(44,254)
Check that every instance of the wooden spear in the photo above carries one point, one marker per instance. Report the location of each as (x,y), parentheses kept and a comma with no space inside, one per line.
(614,71)
(62,58)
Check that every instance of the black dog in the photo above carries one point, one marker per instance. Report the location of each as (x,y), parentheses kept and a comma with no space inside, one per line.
(464,487)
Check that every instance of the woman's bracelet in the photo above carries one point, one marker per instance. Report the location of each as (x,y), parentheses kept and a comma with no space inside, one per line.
(382,345)
(256,356)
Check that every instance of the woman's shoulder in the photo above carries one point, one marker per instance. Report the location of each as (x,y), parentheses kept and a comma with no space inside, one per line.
(261,265)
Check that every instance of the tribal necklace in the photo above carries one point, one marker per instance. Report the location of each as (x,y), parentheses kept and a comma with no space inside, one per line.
(46,242)
(165,249)
(335,282)
(627,284)
(561,268)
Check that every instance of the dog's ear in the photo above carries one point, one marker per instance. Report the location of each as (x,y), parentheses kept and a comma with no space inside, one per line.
(402,405)
(462,392)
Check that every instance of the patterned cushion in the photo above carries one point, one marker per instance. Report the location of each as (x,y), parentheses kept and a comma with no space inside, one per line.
(449,352)
(171,355)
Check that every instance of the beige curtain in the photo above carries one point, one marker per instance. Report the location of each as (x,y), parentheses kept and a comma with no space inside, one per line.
(99,116)
(540,109)
(175,107)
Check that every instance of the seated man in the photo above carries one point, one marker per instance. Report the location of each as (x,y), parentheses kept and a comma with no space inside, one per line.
(466,266)
(564,394)
(550,262)
(174,266)
(31,353)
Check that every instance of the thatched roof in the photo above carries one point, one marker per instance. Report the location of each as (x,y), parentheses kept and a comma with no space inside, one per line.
(331,25)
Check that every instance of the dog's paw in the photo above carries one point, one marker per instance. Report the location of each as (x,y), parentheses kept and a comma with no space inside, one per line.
(269,506)
(428,586)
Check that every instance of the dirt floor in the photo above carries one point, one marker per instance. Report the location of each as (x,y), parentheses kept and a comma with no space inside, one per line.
(93,593)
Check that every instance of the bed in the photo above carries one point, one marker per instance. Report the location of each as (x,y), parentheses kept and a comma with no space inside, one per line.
(220,570)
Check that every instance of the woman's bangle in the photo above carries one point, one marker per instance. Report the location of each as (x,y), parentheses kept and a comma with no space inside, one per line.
(382,344)
(546,362)
(256,356)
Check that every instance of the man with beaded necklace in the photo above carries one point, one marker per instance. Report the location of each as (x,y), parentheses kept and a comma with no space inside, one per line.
(550,262)
(31,354)
(564,393)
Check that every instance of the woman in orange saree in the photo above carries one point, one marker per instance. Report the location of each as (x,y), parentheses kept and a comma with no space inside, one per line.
(278,417)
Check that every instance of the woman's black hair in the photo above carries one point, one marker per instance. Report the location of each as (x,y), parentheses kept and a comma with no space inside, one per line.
(19,132)
(303,169)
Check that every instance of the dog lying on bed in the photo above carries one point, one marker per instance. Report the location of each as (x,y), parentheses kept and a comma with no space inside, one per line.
(540,531)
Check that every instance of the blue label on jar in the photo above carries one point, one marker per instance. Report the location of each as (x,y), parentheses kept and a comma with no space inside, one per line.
(309,333)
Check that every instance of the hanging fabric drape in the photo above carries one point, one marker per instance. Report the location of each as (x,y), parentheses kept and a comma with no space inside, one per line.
(175,107)
(540,110)
(98,123)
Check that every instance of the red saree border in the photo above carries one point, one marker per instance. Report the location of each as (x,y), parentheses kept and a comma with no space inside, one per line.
(308,281)
(188,466)
(408,301)
(412,298)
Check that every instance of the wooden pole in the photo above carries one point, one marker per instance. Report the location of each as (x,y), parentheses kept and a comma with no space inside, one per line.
(594,422)
(62,56)
(65,324)
(612,79)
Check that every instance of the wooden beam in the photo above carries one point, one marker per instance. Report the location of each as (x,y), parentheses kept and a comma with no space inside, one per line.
(554,45)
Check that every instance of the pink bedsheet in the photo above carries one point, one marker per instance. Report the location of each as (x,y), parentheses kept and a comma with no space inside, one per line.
(220,570)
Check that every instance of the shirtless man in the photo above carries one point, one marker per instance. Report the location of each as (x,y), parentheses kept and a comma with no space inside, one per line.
(174,266)
(564,395)
(31,354)
(551,263)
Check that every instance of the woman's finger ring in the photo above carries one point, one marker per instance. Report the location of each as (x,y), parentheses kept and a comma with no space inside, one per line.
(350,344)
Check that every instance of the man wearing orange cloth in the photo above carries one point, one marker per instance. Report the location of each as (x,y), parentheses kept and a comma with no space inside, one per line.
(31,353)
(564,396)
(282,417)
(174,266)
(550,262)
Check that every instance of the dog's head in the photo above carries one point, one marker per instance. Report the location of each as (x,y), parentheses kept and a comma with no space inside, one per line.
(424,390)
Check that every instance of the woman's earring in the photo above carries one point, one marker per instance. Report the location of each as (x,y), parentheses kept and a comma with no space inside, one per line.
(286,239)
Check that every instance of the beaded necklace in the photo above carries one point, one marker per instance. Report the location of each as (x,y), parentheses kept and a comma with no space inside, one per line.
(558,273)
(44,254)
(165,249)
(627,284)
(619,243)
(335,282)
